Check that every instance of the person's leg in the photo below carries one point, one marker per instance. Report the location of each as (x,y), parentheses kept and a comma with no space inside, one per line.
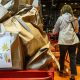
(72,55)
(63,50)
(78,55)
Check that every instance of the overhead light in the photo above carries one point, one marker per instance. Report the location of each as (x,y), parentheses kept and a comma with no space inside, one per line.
(65,3)
(75,3)
(44,5)
(72,3)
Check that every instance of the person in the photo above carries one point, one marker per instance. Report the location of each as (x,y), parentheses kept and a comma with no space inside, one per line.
(67,27)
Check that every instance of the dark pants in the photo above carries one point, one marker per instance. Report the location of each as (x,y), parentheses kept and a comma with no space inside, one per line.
(78,55)
(71,50)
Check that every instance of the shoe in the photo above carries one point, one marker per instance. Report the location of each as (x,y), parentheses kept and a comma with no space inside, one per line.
(72,78)
(63,74)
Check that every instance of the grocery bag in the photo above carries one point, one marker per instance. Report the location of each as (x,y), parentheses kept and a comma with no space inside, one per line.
(3,11)
(17,54)
(5,50)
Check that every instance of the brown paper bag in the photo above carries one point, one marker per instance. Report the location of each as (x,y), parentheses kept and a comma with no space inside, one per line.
(17,54)
(37,42)
(32,41)
(33,21)
(13,26)
(41,60)
(33,17)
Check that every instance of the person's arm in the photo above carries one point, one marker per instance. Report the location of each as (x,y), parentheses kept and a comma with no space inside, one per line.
(56,26)
(76,26)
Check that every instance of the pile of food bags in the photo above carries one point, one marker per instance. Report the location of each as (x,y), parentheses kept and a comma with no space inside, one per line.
(27,41)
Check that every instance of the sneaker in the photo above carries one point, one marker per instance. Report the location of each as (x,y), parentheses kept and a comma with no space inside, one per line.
(63,74)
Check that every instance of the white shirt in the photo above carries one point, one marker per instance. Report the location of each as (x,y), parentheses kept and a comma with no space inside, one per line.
(62,26)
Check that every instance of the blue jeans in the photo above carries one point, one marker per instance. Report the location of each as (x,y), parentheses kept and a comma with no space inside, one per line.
(71,50)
